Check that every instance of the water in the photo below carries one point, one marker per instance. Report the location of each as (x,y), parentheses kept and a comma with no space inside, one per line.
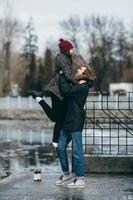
(24,145)
(23,148)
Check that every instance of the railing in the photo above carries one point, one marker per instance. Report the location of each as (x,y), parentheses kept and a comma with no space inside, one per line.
(109,124)
(101,101)
(20,103)
(109,121)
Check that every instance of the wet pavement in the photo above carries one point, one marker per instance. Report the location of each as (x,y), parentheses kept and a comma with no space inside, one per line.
(24,149)
(98,187)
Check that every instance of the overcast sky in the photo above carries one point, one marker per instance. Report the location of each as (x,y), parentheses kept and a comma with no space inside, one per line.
(48,13)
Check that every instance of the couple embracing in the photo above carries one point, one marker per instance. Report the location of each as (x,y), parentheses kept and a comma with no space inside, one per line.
(68,90)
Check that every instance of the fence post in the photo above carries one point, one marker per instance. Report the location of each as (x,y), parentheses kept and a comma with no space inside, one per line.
(19,136)
(19,102)
(116,102)
(43,136)
(30,102)
(30,137)
(100,101)
(7,102)
(8,135)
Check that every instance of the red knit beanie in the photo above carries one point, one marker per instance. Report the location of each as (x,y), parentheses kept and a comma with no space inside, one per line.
(65,45)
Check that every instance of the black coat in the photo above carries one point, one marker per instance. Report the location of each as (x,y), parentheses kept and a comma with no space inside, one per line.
(74,101)
(63,63)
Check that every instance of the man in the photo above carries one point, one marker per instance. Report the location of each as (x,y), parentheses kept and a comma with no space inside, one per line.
(73,121)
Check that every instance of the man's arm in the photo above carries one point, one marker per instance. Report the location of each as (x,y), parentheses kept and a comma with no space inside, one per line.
(68,89)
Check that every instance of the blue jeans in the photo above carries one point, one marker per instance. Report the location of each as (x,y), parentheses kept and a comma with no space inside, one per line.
(77,152)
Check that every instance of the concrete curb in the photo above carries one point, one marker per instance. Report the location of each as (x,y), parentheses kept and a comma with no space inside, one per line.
(109,164)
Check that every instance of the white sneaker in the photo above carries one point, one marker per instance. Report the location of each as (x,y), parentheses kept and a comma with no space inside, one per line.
(77,183)
(63,178)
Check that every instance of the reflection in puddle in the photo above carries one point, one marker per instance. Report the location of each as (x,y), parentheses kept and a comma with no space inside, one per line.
(72,195)
(24,150)
(128,195)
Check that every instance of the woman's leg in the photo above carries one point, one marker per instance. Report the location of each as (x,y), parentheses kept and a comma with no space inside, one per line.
(38,96)
(57,106)
(56,132)
(64,140)
(55,113)
(48,110)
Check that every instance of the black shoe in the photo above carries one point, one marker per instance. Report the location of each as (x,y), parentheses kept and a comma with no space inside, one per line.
(35,93)
(54,150)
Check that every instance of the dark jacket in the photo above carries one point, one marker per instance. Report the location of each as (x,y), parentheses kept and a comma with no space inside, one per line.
(63,63)
(74,101)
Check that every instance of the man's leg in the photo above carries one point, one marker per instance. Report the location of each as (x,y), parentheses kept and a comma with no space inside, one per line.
(78,157)
(73,172)
(77,152)
(64,139)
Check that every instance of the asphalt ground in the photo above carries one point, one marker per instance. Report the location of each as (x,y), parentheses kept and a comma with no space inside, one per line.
(98,187)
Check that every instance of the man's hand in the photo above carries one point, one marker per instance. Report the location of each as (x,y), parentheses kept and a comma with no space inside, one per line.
(82,81)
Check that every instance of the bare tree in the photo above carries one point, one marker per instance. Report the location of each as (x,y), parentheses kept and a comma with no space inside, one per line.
(108,46)
(72,29)
(130,46)
(30,49)
(128,55)
(102,35)
(52,45)
(10,27)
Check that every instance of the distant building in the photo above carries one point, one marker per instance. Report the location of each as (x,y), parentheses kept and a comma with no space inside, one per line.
(115,88)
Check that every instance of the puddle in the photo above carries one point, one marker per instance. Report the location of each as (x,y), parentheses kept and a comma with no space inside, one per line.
(22,150)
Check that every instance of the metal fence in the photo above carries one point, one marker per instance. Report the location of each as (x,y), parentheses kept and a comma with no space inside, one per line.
(20,103)
(109,124)
(109,121)
(102,101)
